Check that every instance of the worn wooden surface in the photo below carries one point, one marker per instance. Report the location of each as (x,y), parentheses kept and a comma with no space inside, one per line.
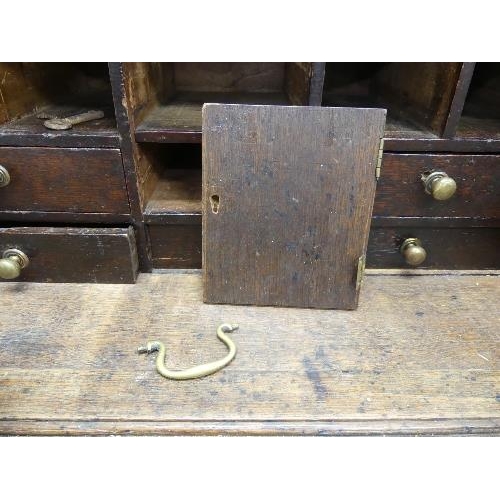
(419,356)
(175,245)
(400,191)
(74,255)
(177,192)
(292,220)
(180,119)
(64,180)
(446,247)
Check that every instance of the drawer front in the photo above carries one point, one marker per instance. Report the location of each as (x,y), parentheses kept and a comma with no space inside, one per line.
(401,192)
(63,180)
(176,246)
(73,255)
(446,248)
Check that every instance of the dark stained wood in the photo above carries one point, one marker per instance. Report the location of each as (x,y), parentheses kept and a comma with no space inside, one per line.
(229,76)
(298,82)
(471,137)
(77,255)
(131,160)
(400,191)
(419,356)
(420,94)
(64,180)
(30,131)
(292,219)
(317,81)
(176,246)
(447,248)
(180,119)
(177,192)
(458,101)
(28,87)
(64,218)
(395,221)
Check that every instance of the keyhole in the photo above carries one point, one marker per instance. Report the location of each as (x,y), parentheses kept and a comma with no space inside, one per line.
(214,201)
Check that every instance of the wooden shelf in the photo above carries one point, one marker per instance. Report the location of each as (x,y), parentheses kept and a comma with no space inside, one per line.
(418,357)
(180,119)
(177,197)
(30,131)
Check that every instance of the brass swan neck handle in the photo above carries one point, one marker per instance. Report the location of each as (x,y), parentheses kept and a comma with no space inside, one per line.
(195,371)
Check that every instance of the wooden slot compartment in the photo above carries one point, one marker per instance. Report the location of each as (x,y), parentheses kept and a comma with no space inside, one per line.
(30,90)
(167,97)
(481,114)
(417,96)
(175,191)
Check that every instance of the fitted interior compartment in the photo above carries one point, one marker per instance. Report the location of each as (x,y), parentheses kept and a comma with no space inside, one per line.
(174,180)
(167,97)
(417,96)
(54,90)
(481,114)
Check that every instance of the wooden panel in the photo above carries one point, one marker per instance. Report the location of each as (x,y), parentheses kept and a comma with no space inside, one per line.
(421,91)
(298,82)
(80,255)
(176,246)
(447,248)
(400,191)
(229,76)
(294,189)
(64,180)
(180,119)
(419,356)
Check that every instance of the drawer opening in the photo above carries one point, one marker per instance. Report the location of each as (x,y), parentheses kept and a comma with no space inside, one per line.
(481,114)
(167,97)
(174,191)
(32,91)
(417,96)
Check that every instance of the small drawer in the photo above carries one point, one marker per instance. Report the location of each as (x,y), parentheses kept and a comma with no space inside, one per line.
(445,248)
(401,192)
(176,246)
(63,180)
(73,255)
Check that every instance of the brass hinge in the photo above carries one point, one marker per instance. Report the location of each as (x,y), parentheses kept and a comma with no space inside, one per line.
(378,169)
(361,271)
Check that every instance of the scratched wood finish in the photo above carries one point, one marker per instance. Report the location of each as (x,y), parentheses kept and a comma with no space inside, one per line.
(74,255)
(295,189)
(64,180)
(419,356)
(400,191)
(447,248)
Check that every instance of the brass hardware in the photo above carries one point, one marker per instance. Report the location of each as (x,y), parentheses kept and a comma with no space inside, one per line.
(378,169)
(12,262)
(440,185)
(361,271)
(68,122)
(4,177)
(413,251)
(196,371)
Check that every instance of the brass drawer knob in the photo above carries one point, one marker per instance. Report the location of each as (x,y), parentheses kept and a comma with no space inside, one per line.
(12,262)
(440,185)
(413,252)
(4,177)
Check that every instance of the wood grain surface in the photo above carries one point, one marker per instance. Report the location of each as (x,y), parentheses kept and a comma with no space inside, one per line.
(447,248)
(294,189)
(400,191)
(74,255)
(419,356)
(64,180)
